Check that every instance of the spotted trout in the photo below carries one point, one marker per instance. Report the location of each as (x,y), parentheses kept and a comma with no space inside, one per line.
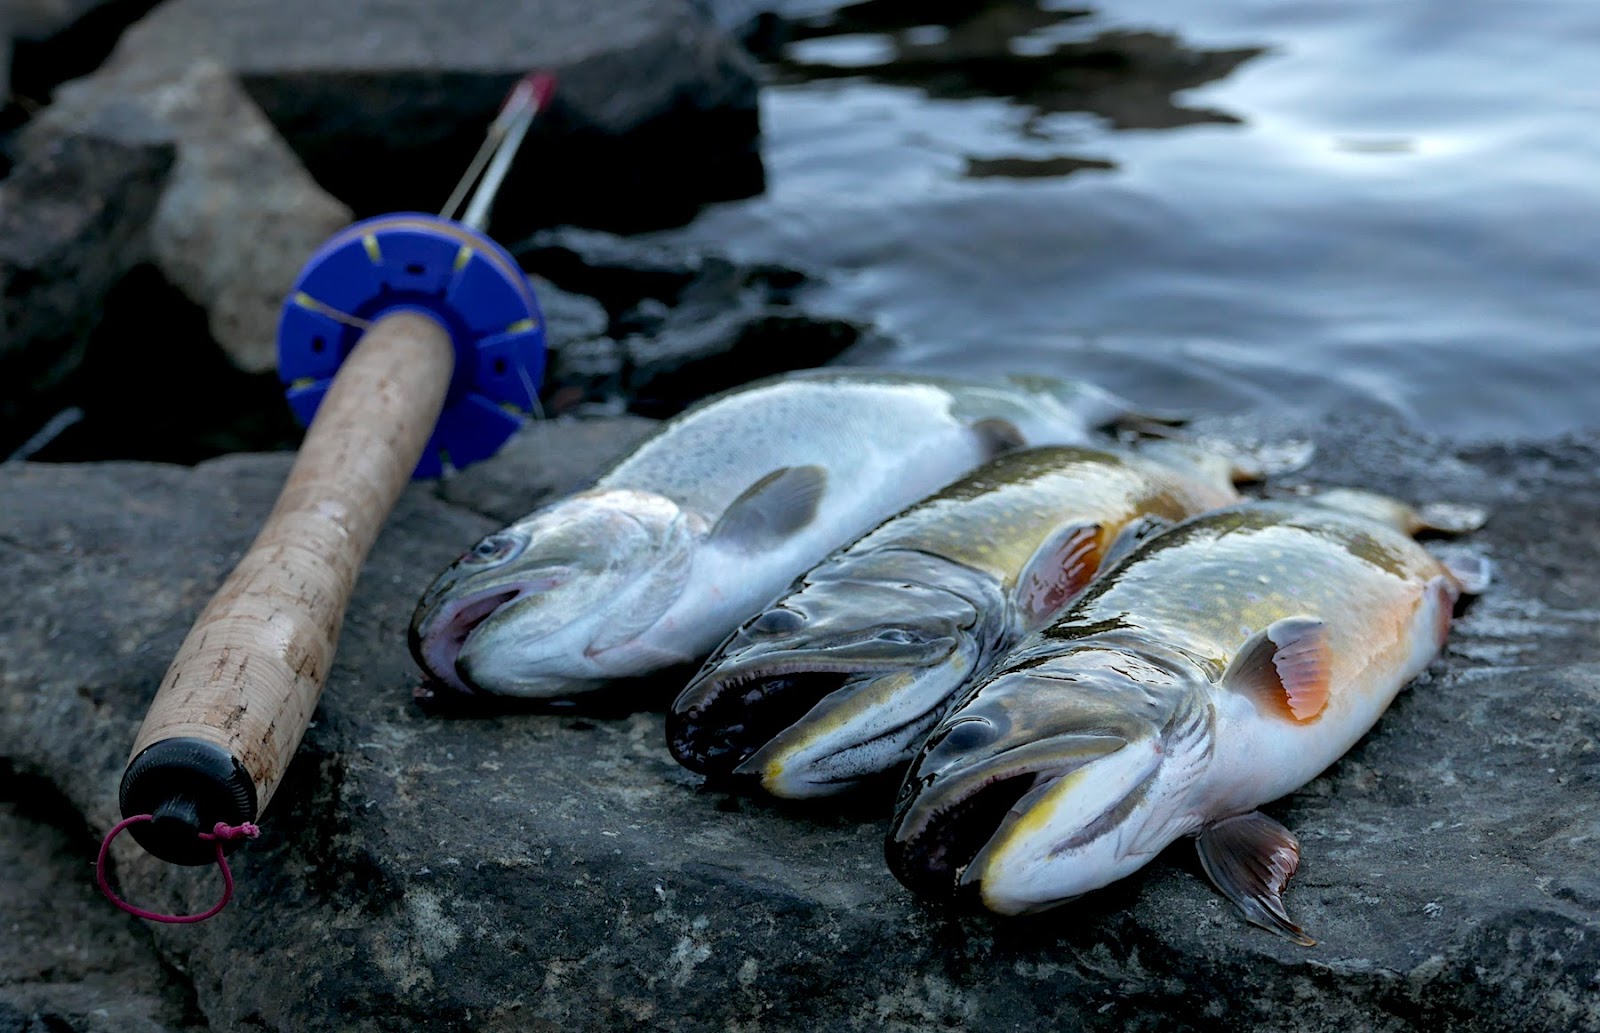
(1223,664)
(840,680)
(712,516)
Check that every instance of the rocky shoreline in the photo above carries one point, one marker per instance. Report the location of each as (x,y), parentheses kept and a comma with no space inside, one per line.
(517,868)
(525,870)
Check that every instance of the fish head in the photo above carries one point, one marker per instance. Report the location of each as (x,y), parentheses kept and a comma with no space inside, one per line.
(833,683)
(1042,787)
(558,600)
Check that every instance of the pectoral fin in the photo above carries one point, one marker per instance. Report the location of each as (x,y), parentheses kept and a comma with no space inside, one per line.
(1250,858)
(776,506)
(1059,570)
(1284,668)
(1471,573)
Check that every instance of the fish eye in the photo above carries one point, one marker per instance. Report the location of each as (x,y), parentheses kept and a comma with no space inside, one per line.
(495,548)
(777,621)
(970,734)
(899,636)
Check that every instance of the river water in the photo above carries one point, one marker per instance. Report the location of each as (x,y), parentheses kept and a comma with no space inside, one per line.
(1328,206)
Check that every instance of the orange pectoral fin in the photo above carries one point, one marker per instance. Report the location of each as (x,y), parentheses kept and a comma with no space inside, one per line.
(1059,570)
(1284,668)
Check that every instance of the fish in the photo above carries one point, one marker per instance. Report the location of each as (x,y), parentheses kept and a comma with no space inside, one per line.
(837,683)
(1221,665)
(713,515)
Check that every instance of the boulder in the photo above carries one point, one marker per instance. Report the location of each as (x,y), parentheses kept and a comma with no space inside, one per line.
(687,322)
(386,100)
(364,89)
(548,868)
(42,19)
(240,216)
(74,217)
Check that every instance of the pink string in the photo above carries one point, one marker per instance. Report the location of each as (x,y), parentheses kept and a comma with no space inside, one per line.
(219,834)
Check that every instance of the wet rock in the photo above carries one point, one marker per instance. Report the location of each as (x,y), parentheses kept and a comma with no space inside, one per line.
(688,323)
(527,870)
(568,317)
(74,217)
(385,101)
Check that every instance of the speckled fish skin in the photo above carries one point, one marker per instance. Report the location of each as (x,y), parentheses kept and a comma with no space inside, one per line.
(1121,726)
(840,680)
(713,516)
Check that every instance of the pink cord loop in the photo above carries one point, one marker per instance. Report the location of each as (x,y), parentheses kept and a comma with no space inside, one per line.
(219,834)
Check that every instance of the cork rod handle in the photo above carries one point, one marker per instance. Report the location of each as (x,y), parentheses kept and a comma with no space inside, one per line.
(248,676)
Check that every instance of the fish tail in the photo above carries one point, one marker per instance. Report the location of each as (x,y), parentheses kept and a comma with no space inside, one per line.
(1446,518)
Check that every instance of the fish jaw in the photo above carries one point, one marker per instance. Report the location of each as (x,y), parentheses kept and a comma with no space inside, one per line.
(868,727)
(1052,779)
(1070,834)
(549,606)
(807,657)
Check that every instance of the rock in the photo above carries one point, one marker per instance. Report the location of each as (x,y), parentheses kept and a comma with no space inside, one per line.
(541,462)
(568,317)
(67,961)
(42,19)
(240,218)
(689,323)
(545,870)
(74,217)
(367,88)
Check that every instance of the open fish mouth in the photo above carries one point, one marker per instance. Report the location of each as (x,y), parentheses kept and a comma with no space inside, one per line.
(719,722)
(436,638)
(932,860)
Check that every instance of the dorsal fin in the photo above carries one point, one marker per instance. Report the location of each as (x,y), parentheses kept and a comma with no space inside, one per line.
(1058,570)
(999,436)
(1284,668)
(776,506)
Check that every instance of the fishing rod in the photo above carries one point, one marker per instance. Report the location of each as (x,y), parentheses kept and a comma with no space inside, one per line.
(409,345)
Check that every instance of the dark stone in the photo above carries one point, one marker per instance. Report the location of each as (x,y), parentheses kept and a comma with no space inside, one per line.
(74,217)
(553,870)
(655,112)
(688,323)
(68,961)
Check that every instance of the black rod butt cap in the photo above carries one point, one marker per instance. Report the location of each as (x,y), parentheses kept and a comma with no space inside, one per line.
(187,785)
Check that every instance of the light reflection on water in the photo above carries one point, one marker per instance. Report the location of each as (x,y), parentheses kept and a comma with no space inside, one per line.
(1276,205)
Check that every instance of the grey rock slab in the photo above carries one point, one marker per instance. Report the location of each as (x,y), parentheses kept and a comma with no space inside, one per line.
(240,217)
(516,869)
(74,217)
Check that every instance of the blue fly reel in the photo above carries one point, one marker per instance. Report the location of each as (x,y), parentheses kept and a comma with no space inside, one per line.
(424,263)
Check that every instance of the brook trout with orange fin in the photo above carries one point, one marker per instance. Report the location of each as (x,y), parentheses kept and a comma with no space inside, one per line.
(840,680)
(1225,663)
(715,514)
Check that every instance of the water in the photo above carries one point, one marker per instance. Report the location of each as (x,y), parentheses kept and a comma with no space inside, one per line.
(1243,205)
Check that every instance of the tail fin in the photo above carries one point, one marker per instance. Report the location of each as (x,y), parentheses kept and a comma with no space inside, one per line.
(1436,517)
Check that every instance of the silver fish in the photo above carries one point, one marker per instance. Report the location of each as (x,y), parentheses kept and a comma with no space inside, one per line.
(712,516)
(841,679)
(1222,665)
